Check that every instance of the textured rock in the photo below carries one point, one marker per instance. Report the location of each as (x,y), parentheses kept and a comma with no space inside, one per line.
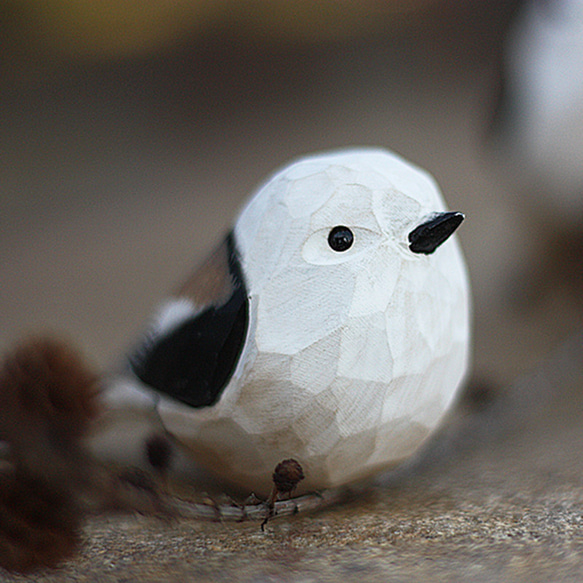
(505,507)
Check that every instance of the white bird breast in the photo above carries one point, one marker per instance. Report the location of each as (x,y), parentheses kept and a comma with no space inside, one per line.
(350,358)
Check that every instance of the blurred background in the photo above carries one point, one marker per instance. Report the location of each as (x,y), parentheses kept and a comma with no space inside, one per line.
(131,133)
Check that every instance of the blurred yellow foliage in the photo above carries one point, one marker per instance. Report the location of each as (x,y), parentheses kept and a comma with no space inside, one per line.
(120,28)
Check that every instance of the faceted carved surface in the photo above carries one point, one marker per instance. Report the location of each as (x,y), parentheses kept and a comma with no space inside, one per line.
(351,358)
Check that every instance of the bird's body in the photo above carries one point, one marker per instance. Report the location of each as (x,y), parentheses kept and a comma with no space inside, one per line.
(331,326)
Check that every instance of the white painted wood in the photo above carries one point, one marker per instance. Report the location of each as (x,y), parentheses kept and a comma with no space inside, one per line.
(352,358)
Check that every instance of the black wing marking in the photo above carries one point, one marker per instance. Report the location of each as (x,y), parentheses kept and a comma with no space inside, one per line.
(195,361)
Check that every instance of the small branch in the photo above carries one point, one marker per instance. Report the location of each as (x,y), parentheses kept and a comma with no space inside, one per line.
(255,512)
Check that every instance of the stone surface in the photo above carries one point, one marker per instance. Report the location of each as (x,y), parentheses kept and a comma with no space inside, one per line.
(505,507)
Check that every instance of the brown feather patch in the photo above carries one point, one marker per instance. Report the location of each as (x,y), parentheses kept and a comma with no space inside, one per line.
(211,283)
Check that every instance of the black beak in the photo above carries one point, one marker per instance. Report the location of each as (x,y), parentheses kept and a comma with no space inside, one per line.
(428,236)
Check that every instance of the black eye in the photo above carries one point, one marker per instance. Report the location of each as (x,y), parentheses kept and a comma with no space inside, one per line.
(340,238)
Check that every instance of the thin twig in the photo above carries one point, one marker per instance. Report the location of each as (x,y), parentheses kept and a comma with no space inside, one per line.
(255,512)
